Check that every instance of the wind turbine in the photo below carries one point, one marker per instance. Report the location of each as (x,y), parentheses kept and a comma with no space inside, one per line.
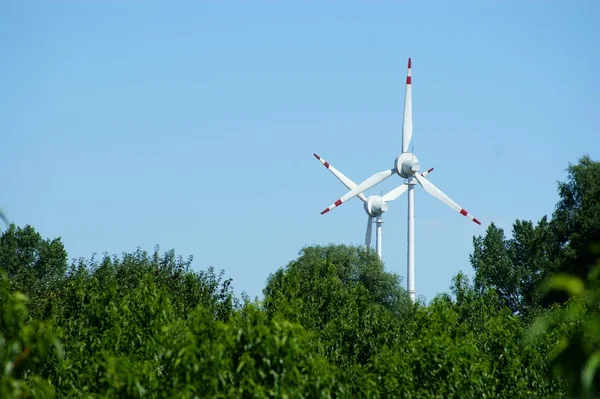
(374,205)
(407,167)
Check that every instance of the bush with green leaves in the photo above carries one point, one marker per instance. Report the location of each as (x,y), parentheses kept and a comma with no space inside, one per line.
(575,355)
(25,346)
(333,323)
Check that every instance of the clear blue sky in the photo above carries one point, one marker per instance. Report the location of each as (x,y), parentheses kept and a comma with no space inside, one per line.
(192,124)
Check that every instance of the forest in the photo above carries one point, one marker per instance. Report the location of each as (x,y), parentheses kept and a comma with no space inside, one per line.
(332,323)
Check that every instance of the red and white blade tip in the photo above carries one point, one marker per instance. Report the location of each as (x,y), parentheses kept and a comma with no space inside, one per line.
(467,214)
(429,170)
(335,204)
(409,62)
(324,162)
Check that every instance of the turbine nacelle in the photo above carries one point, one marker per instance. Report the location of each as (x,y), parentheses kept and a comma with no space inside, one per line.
(407,165)
(375,206)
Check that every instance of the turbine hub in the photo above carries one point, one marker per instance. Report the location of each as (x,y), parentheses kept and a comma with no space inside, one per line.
(407,164)
(375,206)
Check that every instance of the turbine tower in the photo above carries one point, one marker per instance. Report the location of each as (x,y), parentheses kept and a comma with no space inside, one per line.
(374,205)
(407,167)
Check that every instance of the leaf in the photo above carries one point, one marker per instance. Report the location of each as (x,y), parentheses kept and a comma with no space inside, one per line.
(240,366)
(539,327)
(589,371)
(563,282)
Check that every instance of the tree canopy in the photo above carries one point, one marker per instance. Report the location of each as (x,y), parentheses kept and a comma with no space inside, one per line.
(333,322)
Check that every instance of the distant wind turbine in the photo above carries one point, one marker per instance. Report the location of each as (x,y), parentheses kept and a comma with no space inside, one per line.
(407,167)
(374,205)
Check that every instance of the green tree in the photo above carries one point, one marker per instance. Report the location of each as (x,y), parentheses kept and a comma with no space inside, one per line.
(311,281)
(333,323)
(35,266)
(516,266)
(25,346)
(575,354)
(576,220)
(273,358)
(125,338)
(343,294)
(186,288)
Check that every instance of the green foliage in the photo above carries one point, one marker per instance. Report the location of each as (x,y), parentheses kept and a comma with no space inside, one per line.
(577,217)
(34,266)
(333,322)
(471,346)
(313,287)
(24,347)
(273,358)
(343,295)
(569,242)
(576,353)
(515,267)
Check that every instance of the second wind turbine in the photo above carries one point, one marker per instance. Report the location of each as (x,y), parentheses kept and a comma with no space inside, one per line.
(374,205)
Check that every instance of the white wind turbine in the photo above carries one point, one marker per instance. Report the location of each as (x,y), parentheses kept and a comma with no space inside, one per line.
(374,205)
(406,166)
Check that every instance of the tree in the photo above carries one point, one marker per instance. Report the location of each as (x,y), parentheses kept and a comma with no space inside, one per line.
(569,242)
(25,346)
(333,323)
(126,337)
(272,357)
(313,277)
(494,268)
(35,266)
(576,220)
(575,354)
(343,294)
(515,267)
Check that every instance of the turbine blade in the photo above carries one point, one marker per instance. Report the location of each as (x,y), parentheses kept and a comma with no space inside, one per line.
(407,126)
(398,191)
(428,171)
(368,234)
(395,193)
(367,184)
(345,181)
(436,192)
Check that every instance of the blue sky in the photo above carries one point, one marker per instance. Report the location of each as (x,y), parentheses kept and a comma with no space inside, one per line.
(192,124)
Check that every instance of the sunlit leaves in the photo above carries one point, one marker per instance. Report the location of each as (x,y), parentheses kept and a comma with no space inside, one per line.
(24,347)
(576,354)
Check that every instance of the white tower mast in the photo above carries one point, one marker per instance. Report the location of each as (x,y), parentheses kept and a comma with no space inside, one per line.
(407,129)
(379,241)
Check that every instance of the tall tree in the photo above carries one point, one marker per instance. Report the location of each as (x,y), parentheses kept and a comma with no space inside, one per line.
(575,356)
(516,266)
(25,346)
(34,265)
(344,295)
(576,220)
